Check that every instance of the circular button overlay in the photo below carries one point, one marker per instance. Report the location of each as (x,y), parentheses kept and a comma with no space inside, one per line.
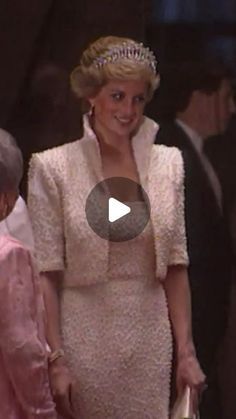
(117,209)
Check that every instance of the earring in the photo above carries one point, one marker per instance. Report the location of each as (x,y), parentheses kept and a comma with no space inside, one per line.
(91,110)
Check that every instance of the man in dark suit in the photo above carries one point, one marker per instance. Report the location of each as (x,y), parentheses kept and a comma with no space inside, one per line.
(221,151)
(198,98)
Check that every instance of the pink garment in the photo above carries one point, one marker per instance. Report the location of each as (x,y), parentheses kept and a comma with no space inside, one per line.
(24,384)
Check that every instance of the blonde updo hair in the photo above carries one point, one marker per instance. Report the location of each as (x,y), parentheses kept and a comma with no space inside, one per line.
(87,78)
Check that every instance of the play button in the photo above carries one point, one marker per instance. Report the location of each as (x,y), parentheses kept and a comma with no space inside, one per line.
(117,209)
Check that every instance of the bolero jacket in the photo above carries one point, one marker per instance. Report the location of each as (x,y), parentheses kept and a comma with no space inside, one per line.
(60,180)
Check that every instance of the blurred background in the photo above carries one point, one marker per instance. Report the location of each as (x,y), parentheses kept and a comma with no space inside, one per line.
(41,41)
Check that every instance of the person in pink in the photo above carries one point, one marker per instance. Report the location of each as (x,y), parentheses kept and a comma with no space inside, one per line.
(24,383)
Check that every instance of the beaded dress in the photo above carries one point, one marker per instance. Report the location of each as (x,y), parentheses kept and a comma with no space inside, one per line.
(114,314)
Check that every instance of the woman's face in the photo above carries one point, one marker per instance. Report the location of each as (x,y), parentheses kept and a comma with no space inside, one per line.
(119,106)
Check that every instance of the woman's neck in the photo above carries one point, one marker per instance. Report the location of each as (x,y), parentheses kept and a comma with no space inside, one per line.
(111,142)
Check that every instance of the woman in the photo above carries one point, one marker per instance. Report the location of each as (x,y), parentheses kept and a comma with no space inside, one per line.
(24,383)
(109,302)
(17,224)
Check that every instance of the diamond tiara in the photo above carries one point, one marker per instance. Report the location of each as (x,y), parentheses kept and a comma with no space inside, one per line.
(127,51)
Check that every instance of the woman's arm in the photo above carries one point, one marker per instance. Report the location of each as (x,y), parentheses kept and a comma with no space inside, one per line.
(47,215)
(60,377)
(22,347)
(50,285)
(179,302)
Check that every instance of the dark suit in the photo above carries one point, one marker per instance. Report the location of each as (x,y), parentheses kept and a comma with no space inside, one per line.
(221,151)
(208,248)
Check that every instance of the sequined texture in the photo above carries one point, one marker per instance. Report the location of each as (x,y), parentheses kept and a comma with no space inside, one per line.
(60,181)
(115,323)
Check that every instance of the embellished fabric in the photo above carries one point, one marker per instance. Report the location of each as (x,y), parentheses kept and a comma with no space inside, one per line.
(114,315)
(117,337)
(24,383)
(60,181)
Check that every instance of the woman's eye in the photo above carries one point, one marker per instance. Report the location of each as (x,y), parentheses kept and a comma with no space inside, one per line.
(116,96)
(139,99)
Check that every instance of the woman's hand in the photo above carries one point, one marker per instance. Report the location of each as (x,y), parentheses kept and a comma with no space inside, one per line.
(190,373)
(61,386)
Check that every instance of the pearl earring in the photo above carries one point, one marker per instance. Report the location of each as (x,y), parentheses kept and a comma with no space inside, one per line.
(91,110)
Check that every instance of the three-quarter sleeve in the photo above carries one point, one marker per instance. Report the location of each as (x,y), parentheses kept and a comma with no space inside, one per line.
(22,343)
(45,209)
(178,251)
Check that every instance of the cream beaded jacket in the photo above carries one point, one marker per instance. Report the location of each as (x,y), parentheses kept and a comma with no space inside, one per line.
(60,181)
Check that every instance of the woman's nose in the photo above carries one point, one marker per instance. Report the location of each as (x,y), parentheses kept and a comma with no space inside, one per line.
(128,107)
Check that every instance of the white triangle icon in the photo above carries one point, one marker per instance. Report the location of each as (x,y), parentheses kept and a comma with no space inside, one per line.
(117,210)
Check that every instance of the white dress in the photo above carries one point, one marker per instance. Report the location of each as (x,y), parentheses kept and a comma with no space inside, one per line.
(114,314)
